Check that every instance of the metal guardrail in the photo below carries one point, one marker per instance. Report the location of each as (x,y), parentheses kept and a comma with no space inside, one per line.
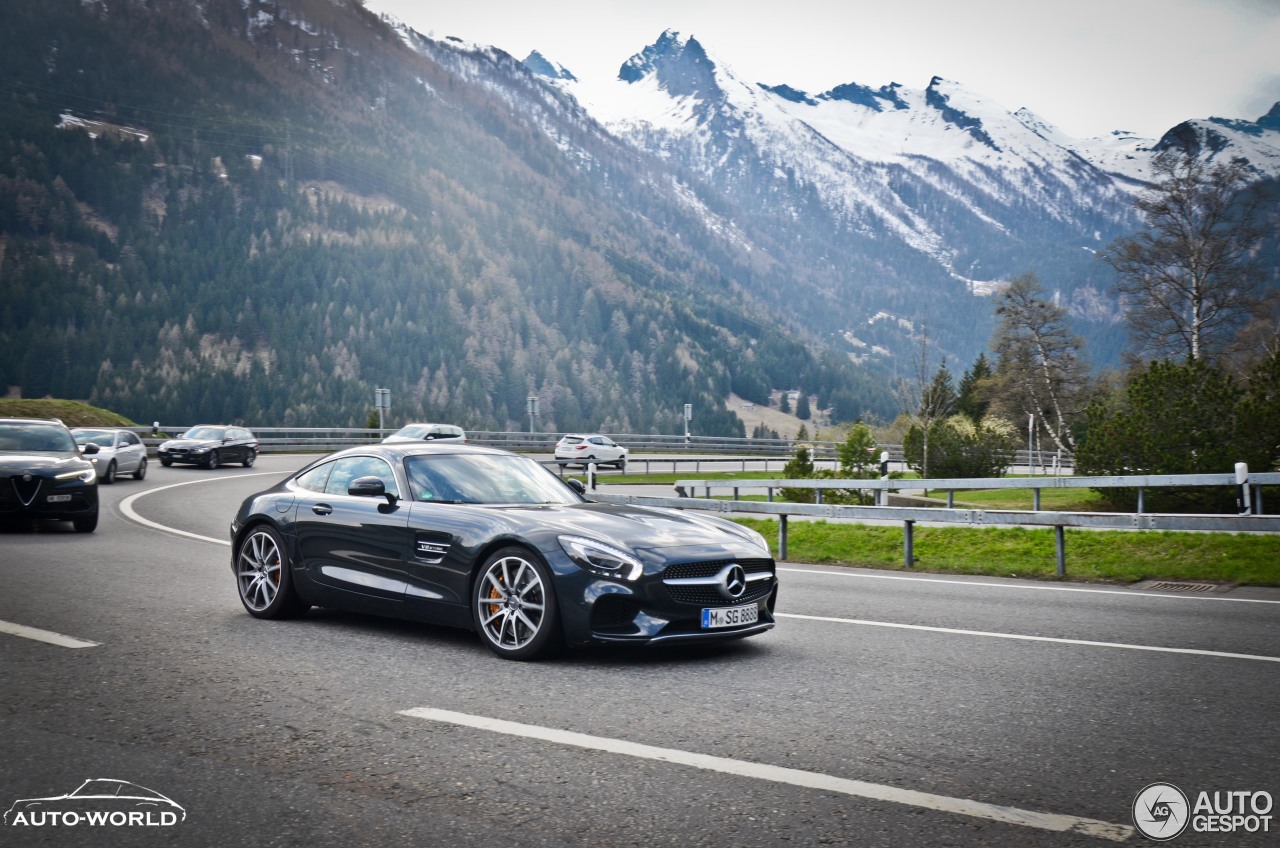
(1059,521)
(1141,482)
(328,439)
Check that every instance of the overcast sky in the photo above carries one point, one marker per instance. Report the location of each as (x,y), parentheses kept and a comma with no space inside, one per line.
(1088,66)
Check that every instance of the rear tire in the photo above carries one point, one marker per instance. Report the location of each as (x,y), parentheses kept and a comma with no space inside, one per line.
(249,458)
(141,470)
(263,577)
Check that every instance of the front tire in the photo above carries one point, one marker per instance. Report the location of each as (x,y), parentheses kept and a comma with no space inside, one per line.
(110,476)
(87,524)
(166,462)
(213,461)
(263,578)
(513,604)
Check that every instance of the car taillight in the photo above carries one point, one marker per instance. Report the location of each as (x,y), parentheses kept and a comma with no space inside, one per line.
(581,447)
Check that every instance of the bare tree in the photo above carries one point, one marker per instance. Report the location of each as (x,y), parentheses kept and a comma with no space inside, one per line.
(926,397)
(1040,367)
(1189,280)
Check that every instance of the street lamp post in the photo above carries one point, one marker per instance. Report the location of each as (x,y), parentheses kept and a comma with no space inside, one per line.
(688,416)
(533,411)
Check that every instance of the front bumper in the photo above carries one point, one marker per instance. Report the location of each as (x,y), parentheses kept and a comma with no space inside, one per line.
(596,610)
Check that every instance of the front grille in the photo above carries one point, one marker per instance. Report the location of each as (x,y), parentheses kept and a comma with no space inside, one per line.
(709,595)
(710,569)
(25,490)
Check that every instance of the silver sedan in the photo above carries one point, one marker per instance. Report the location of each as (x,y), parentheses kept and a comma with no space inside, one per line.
(119,452)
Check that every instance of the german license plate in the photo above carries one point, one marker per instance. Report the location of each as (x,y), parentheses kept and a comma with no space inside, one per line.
(58,498)
(713,617)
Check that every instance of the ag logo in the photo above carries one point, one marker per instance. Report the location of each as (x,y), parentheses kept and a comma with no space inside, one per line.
(1161,812)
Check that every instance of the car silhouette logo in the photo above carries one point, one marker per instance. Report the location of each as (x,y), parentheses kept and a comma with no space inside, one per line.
(99,801)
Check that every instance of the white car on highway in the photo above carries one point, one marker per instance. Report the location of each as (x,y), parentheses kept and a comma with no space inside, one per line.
(586,448)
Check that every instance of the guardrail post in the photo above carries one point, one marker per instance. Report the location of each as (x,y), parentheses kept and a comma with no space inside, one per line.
(951,498)
(1141,500)
(1035,499)
(782,537)
(1060,538)
(908,544)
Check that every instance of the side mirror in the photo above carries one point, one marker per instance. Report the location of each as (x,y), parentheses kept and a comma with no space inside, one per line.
(371,487)
(90,448)
(577,485)
(367,487)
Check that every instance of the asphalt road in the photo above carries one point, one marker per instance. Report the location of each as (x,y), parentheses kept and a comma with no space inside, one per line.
(884,710)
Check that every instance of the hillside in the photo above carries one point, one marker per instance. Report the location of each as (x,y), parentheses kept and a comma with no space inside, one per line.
(263,211)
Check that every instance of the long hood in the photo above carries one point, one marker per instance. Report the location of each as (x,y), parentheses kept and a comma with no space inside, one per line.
(643,528)
(41,464)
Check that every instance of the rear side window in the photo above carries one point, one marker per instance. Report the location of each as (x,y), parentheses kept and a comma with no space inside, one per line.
(315,479)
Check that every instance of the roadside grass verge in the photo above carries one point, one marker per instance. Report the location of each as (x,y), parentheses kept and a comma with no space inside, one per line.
(1091,555)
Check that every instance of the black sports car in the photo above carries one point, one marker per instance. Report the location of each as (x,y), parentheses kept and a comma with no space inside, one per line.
(210,446)
(475,537)
(43,475)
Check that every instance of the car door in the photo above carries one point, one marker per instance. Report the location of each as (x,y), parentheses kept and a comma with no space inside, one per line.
(446,537)
(355,547)
(130,450)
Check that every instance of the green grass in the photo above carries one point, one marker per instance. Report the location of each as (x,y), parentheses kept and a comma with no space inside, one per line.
(70,412)
(1091,555)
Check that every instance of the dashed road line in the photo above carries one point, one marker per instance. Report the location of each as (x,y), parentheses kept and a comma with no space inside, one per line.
(35,633)
(792,777)
(1025,638)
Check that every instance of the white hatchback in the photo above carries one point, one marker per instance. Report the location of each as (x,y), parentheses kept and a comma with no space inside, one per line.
(586,448)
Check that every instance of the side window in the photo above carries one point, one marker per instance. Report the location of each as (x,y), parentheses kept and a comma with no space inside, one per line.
(315,479)
(354,467)
(128,438)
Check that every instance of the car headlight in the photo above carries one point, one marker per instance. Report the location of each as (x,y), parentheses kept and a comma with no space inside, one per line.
(84,475)
(199,450)
(599,558)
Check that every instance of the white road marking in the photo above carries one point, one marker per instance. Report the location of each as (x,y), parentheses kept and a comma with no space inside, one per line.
(45,636)
(1024,638)
(1027,586)
(126,506)
(789,776)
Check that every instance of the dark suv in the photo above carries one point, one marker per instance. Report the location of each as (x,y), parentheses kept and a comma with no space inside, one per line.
(43,475)
(210,445)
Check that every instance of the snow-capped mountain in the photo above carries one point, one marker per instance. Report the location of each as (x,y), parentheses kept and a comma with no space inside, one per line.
(934,167)
(892,200)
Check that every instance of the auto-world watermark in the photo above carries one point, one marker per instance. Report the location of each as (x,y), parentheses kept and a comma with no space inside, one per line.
(98,802)
(1162,811)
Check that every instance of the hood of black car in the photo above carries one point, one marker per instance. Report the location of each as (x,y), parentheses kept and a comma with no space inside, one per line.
(645,528)
(42,464)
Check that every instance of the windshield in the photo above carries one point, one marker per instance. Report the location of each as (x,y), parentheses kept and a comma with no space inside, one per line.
(213,433)
(484,479)
(97,437)
(35,437)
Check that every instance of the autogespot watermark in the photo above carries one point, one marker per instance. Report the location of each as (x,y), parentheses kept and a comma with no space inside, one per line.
(1162,811)
(100,802)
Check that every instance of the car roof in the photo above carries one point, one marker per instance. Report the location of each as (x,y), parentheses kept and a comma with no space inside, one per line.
(31,421)
(403,449)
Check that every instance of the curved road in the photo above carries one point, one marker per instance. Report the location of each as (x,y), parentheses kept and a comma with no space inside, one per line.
(885,709)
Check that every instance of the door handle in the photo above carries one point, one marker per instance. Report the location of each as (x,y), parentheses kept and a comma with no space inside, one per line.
(322,509)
